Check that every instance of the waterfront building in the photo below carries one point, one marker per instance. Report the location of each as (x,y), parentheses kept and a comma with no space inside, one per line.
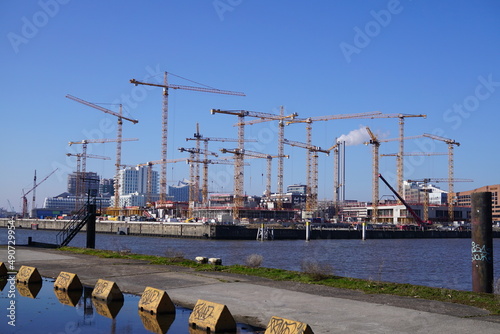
(106,187)
(414,192)
(90,181)
(134,186)
(179,192)
(464,198)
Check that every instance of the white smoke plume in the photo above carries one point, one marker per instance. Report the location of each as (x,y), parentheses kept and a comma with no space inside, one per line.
(355,137)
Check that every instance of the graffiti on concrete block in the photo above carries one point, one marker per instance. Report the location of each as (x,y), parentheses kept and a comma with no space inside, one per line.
(150,296)
(481,253)
(202,311)
(284,326)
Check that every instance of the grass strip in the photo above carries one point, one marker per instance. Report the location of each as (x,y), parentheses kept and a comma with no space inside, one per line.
(489,302)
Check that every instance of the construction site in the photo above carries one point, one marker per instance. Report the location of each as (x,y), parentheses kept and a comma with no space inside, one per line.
(274,205)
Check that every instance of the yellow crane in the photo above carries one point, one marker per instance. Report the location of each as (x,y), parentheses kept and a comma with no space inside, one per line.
(84,144)
(166,86)
(312,182)
(200,138)
(262,117)
(149,184)
(451,144)
(194,177)
(79,181)
(426,192)
(375,142)
(119,130)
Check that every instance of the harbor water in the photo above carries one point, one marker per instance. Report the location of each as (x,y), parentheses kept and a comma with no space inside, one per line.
(443,263)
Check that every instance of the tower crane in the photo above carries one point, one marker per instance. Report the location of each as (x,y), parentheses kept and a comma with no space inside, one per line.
(200,138)
(269,158)
(119,131)
(426,192)
(35,185)
(451,167)
(166,86)
(79,185)
(149,184)
(85,142)
(375,142)
(238,189)
(312,182)
(194,177)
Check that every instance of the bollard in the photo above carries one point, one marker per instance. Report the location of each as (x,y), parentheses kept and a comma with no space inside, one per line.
(482,243)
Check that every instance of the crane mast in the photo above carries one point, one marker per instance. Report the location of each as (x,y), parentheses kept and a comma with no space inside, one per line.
(164,117)
(35,185)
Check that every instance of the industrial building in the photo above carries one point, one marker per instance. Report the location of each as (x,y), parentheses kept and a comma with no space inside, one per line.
(463,198)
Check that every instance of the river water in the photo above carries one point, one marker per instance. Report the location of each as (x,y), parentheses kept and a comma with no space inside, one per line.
(439,263)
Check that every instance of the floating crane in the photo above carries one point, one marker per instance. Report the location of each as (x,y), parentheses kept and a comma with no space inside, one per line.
(166,86)
(79,181)
(199,138)
(35,185)
(451,144)
(238,189)
(312,181)
(426,192)
(119,128)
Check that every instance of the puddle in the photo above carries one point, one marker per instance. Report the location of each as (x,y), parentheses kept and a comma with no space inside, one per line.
(41,309)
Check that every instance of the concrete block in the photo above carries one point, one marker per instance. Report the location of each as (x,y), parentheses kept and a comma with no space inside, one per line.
(201,259)
(279,325)
(212,316)
(215,260)
(3,269)
(28,275)
(156,301)
(68,297)
(29,290)
(67,281)
(157,323)
(107,291)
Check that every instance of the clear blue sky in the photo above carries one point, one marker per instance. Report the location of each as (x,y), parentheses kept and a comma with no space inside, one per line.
(315,58)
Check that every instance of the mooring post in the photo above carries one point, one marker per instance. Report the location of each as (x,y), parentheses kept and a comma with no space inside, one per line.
(91,226)
(308,228)
(363,231)
(482,243)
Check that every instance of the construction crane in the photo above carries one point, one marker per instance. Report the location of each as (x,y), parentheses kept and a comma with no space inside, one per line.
(79,181)
(426,192)
(149,182)
(312,181)
(84,144)
(375,142)
(119,130)
(238,188)
(194,176)
(166,86)
(198,137)
(35,185)
(269,158)
(451,167)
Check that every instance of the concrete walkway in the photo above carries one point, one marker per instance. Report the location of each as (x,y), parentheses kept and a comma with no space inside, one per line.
(254,300)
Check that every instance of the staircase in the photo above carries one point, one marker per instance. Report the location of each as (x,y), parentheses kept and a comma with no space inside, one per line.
(71,228)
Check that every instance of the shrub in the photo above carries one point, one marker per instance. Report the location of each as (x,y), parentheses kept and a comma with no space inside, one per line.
(315,270)
(254,260)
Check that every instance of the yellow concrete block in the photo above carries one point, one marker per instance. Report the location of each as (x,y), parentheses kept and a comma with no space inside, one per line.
(108,309)
(28,275)
(156,301)
(3,269)
(107,291)
(213,316)
(29,290)
(157,323)
(67,281)
(279,325)
(68,297)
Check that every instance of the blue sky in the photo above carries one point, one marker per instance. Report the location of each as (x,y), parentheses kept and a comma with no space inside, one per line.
(315,58)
